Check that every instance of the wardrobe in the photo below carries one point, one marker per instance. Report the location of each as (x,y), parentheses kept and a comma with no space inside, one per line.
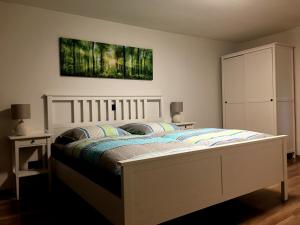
(258,91)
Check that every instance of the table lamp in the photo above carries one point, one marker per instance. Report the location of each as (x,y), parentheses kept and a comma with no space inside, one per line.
(20,112)
(176,109)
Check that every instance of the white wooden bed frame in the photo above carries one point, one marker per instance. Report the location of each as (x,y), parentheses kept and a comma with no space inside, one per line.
(158,189)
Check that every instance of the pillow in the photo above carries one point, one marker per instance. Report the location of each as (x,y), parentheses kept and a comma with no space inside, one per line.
(149,128)
(96,131)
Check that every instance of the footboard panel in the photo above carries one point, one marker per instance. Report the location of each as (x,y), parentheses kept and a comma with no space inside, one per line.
(251,167)
(186,184)
(165,187)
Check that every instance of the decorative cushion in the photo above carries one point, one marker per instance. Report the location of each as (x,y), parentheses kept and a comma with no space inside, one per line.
(96,131)
(149,128)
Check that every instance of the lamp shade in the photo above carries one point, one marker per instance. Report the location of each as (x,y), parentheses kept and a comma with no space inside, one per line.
(20,111)
(176,107)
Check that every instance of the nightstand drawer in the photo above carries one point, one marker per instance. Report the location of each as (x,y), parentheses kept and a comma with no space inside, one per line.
(185,125)
(191,126)
(31,142)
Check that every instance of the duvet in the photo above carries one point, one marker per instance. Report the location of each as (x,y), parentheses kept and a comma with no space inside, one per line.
(105,153)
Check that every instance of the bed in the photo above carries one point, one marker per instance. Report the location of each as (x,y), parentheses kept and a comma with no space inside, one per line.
(160,187)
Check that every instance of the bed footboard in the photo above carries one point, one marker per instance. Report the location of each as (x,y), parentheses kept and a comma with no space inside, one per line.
(162,188)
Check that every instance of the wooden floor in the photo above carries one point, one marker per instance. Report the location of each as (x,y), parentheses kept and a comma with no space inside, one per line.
(263,207)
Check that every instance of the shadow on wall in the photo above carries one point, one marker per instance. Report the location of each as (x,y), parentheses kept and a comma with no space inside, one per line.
(6,126)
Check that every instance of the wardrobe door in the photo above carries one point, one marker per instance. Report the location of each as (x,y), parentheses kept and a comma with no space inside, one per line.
(234,116)
(233,88)
(260,92)
(260,117)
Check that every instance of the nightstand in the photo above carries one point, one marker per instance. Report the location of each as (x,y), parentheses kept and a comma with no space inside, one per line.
(20,143)
(185,125)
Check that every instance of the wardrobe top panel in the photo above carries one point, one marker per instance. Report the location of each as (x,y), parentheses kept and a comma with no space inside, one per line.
(271,45)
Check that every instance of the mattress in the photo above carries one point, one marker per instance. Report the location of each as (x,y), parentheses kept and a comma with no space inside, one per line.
(98,159)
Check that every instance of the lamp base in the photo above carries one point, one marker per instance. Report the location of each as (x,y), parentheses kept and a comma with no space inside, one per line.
(176,118)
(21,129)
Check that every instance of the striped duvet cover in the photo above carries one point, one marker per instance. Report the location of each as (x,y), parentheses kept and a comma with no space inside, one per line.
(105,153)
(209,137)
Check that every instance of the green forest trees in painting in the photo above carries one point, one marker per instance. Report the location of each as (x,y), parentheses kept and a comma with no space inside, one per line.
(138,63)
(92,59)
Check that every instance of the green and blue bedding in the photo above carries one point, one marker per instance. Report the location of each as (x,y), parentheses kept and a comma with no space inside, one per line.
(106,152)
(208,137)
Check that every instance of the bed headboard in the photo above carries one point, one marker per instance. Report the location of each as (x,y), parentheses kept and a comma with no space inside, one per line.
(68,111)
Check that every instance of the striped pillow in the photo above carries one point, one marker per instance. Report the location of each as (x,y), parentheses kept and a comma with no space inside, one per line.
(150,128)
(96,131)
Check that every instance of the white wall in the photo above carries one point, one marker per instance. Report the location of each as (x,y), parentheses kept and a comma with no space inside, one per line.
(291,37)
(185,68)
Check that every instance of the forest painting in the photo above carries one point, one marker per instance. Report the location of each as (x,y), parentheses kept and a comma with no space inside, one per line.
(138,63)
(93,59)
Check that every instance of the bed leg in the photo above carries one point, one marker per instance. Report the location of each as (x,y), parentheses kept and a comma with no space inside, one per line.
(284,191)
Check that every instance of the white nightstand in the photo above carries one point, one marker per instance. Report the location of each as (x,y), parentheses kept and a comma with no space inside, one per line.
(186,125)
(19,143)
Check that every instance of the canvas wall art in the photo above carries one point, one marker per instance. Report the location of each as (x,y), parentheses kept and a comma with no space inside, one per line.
(94,59)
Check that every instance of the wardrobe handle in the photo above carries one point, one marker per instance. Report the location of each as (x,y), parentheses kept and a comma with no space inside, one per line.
(225,102)
(271,99)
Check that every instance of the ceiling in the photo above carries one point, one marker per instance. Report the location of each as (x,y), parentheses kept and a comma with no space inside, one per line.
(230,20)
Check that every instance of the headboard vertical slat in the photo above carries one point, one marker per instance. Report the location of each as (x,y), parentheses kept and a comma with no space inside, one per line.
(126,109)
(131,109)
(118,110)
(85,111)
(160,108)
(109,110)
(76,112)
(145,113)
(140,109)
(94,111)
(100,102)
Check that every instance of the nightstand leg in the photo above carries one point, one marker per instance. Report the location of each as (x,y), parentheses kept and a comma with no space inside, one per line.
(49,165)
(17,188)
(44,157)
(17,168)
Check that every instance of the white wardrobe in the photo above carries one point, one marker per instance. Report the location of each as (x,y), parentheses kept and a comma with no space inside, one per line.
(258,91)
